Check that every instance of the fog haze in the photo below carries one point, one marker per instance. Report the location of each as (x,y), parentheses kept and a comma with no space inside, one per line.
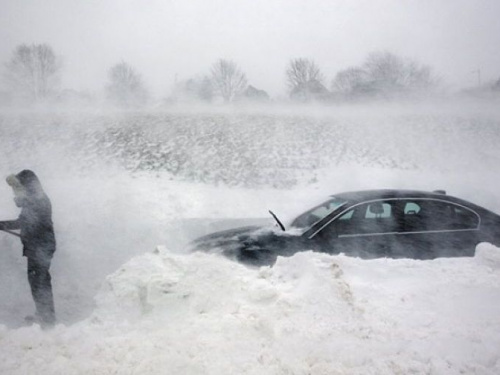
(137,169)
(174,40)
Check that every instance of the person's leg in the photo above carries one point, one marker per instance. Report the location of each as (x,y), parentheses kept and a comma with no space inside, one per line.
(41,290)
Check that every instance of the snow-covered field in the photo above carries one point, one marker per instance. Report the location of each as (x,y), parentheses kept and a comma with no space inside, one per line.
(129,190)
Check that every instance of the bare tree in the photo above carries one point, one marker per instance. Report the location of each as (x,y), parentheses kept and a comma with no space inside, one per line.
(385,74)
(302,72)
(389,72)
(227,79)
(125,87)
(33,72)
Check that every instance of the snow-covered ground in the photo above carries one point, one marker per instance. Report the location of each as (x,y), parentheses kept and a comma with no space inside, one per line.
(309,314)
(130,190)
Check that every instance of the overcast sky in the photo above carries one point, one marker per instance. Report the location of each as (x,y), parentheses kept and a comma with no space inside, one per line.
(169,39)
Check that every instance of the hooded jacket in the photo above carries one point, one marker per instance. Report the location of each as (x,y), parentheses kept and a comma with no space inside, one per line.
(35,220)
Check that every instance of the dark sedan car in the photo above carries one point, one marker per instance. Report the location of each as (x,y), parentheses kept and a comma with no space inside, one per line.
(367,224)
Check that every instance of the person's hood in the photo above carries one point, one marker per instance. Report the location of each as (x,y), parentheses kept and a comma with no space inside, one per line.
(25,181)
(30,182)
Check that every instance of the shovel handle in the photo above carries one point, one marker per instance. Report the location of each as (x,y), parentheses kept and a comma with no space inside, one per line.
(11,232)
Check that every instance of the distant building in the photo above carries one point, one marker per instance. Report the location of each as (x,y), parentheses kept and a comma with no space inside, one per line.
(253,94)
(310,91)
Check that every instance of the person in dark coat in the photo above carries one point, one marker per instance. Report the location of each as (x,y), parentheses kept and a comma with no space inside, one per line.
(37,237)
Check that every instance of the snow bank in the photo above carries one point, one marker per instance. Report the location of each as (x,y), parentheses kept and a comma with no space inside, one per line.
(309,314)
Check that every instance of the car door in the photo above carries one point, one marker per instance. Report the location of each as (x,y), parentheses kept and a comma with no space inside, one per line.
(366,229)
(432,228)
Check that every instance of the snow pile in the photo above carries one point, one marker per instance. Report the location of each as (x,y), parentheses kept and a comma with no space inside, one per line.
(309,314)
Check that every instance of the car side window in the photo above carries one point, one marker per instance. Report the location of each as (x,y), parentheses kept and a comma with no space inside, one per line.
(433,215)
(365,219)
(465,219)
(378,210)
(413,218)
(347,216)
(411,208)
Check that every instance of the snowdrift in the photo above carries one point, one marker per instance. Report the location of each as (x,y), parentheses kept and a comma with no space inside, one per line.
(309,314)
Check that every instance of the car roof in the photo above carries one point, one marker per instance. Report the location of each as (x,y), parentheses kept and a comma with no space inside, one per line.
(367,195)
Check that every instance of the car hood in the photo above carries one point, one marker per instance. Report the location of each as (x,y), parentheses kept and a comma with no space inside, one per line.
(254,245)
(229,238)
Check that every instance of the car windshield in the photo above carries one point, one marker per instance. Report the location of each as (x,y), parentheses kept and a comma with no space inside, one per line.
(317,213)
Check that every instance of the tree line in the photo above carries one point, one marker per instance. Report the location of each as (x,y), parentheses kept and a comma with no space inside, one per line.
(32,75)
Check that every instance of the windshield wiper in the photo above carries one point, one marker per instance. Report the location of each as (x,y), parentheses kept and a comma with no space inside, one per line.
(277,220)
